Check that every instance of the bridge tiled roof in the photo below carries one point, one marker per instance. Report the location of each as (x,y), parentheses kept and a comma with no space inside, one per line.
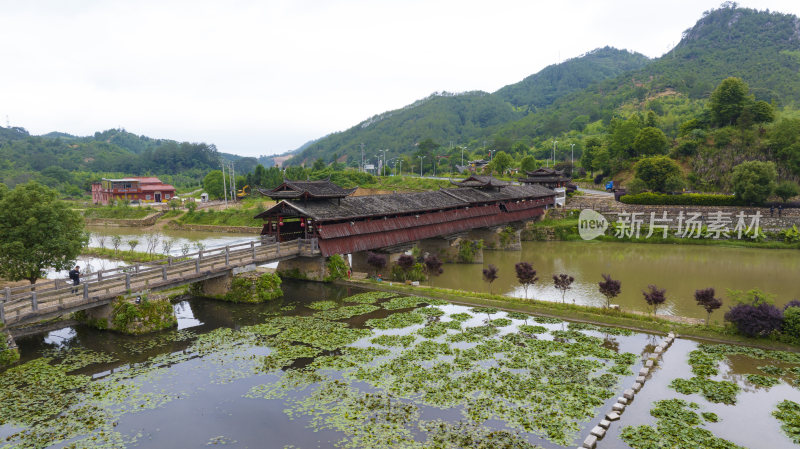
(545,174)
(308,190)
(349,208)
(481,181)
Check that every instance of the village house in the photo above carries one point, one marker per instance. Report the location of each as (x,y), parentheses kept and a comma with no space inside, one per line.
(546,177)
(137,188)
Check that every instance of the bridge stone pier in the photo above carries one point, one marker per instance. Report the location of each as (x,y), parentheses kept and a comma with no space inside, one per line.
(506,237)
(453,249)
(359,263)
(217,286)
(308,268)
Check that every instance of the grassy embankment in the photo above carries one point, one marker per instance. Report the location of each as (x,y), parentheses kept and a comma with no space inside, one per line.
(241,215)
(635,321)
(118,212)
(566,229)
(123,255)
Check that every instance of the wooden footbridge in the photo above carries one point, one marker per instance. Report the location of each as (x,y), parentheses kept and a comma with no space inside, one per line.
(54,298)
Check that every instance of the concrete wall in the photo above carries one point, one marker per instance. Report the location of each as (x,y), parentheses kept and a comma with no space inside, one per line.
(610,209)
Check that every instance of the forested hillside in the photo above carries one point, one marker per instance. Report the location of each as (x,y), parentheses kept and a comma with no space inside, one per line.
(761,48)
(71,163)
(470,116)
(555,81)
(582,97)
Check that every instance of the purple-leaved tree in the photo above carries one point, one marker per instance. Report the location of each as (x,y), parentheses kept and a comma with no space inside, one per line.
(705,299)
(563,282)
(655,297)
(433,266)
(490,275)
(377,261)
(610,288)
(755,319)
(526,275)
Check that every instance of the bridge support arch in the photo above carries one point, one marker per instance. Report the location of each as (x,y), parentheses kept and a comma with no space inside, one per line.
(454,249)
(359,262)
(506,237)
(217,286)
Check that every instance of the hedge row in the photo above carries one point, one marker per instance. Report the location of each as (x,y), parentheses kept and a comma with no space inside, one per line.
(686,199)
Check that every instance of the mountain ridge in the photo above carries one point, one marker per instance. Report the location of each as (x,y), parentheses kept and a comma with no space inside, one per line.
(761,47)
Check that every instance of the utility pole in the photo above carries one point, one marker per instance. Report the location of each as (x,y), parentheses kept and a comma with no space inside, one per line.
(555,142)
(233,183)
(572,165)
(383,167)
(224,185)
(420,165)
(362,156)
(462,156)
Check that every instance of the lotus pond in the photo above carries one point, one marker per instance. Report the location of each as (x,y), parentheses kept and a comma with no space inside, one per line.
(329,366)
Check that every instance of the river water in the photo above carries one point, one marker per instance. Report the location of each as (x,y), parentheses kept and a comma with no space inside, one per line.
(335,376)
(680,269)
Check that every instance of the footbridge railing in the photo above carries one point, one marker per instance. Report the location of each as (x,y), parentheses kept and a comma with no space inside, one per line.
(31,302)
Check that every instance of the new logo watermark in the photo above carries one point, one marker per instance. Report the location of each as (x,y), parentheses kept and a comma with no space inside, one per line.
(591,224)
(714,225)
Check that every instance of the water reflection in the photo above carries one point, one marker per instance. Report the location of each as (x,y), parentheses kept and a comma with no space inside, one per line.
(178,242)
(681,269)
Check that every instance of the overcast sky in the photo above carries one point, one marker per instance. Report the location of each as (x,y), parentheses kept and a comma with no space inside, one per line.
(263,77)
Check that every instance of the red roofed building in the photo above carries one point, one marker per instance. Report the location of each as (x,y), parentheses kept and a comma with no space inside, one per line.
(137,188)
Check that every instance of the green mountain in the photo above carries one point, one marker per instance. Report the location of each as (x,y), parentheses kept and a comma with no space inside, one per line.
(555,81)
(470,116)
(70,163)
(762,48)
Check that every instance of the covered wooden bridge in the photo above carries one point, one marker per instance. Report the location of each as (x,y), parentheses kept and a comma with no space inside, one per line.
(346,224)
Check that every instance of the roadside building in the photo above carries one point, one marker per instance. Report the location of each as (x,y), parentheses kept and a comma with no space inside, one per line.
(546,177)
(141,189)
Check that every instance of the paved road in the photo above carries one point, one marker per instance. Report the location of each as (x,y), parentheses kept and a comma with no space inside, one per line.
(596,192)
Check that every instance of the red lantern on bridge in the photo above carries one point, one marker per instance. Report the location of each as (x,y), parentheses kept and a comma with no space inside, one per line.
(302,222)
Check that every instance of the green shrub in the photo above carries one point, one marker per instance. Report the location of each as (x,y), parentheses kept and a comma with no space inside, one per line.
(337,268)
(415,273)
(791,235)
(467,250)
(151,316)
(687,199)
(254,289)
(791,323)
(7,355)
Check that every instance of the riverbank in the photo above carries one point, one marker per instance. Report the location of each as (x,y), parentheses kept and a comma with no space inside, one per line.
(212,228)
(566,229)
(636,321)
(122,255)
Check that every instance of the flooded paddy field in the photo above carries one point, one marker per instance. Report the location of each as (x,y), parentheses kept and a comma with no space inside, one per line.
(331,366)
